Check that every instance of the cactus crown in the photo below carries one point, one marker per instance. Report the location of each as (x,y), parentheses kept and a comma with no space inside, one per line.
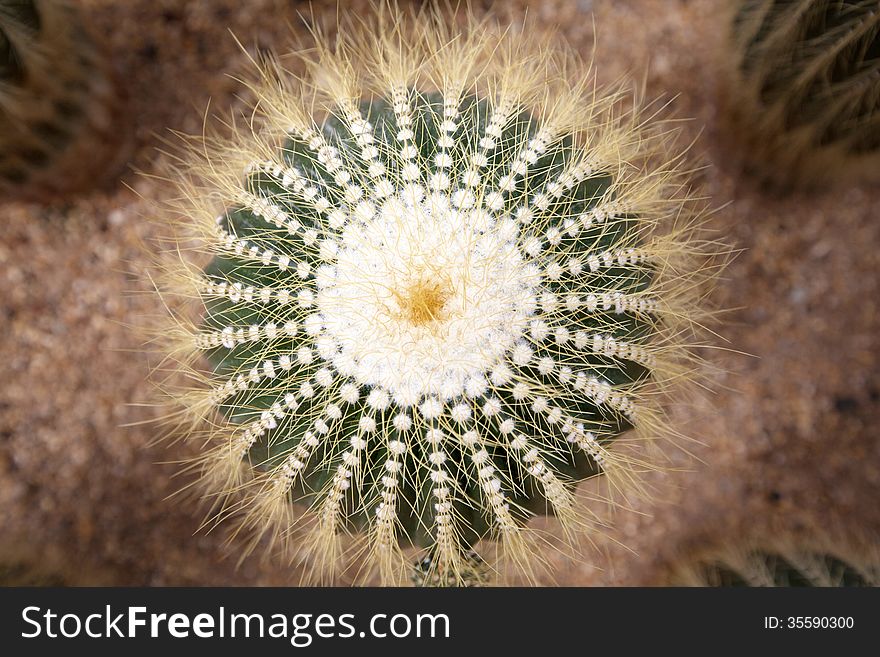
(443,279)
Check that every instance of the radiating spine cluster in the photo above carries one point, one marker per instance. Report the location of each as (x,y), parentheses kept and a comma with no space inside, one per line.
(61,111)
(446,273)
(804,95)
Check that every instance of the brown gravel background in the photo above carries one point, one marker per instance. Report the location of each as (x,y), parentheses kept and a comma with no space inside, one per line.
(786,440)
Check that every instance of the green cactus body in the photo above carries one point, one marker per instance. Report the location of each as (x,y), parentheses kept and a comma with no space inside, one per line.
(539,360)
(60,106)
(805,95)
(430,312)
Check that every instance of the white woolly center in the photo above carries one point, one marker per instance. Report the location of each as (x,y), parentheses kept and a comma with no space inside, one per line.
(423,297)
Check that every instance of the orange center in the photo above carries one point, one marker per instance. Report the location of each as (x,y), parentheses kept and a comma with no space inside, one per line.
(422,303)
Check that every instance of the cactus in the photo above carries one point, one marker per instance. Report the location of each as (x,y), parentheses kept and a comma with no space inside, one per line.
(789,564)
(805,92)
(447,272)
(60,107)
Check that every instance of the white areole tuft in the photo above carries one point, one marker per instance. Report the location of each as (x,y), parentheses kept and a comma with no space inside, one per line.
(423,297)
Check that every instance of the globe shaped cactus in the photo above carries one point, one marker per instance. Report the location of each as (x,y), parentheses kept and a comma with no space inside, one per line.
(438,276)
(63,127)
(803,87)
(819,559)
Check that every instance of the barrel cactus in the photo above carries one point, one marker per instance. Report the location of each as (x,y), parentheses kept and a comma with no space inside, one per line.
(775,563)
(804,90)
(60,105)
(434,280)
